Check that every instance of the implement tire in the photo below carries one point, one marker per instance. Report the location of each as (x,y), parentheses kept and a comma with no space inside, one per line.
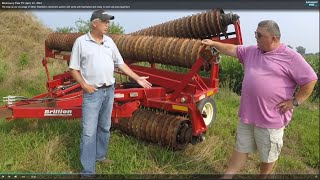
(208,109)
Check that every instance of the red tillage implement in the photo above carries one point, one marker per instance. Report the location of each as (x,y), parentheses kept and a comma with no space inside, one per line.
(176,111)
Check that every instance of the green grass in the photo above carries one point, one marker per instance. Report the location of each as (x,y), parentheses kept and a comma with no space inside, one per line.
(42,146)
(3,66)
(305,143)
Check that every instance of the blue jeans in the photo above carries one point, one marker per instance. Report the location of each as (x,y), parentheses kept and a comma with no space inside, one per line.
(96,123)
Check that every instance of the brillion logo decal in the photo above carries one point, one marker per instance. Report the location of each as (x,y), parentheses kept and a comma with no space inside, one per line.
(57,112)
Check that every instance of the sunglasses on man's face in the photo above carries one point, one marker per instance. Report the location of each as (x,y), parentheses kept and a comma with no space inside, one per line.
(105,22)
(259,35)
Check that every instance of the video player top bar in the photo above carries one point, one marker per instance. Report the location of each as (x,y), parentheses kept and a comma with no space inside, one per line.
(162,4)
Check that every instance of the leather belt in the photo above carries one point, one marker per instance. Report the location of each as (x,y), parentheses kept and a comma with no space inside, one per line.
(104,86)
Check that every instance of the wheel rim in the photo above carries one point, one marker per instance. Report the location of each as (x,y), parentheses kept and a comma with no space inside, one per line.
(208,110)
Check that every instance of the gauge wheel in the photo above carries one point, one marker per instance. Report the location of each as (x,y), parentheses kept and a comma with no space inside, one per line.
(208,109)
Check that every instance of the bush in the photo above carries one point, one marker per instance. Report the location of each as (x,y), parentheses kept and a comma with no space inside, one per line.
(23,60)
(231,74)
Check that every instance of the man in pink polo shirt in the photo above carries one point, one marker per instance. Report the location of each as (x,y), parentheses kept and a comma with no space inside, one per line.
(272,71)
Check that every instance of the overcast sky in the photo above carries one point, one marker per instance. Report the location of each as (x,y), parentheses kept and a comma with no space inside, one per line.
(298,27)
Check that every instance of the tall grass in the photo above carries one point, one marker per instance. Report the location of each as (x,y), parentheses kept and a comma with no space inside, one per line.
(3,66)
(231,74)
(21,52)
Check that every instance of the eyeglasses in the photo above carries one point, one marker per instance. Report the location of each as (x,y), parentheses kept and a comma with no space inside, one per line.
(259,35)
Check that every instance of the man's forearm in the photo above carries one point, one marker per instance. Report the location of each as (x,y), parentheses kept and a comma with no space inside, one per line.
(224,48)
(76,75)
(128,71)
(141,80)
(305,91)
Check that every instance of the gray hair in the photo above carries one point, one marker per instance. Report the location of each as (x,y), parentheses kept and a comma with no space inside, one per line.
(91,23)
(272,27)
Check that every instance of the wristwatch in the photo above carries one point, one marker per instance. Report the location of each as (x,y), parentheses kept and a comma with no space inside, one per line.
(295,102)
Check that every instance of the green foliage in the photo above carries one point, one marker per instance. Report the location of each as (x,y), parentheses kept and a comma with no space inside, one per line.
(23,60)
(314,61)
(231,74)
(301,50)
(82,26)
(115,28)
(172,68)
(65,29)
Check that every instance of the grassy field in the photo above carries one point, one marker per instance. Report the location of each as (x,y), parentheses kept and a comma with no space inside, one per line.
(52,146)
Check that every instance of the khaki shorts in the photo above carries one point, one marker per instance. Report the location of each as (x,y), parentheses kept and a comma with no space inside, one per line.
(268,142)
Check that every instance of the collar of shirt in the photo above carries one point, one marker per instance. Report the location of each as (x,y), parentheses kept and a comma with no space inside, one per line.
(279,49)
(90,38)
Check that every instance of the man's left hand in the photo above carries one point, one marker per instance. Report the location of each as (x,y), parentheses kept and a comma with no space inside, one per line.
(285,106)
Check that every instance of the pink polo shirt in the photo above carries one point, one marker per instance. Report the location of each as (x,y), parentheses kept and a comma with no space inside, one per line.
(270,78)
